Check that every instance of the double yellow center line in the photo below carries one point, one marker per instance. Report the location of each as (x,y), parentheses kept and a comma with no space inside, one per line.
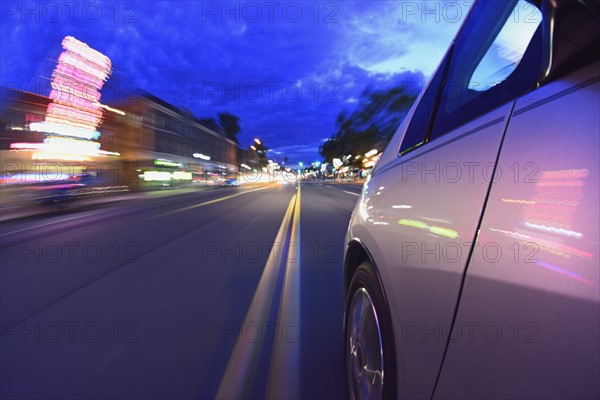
(284,369)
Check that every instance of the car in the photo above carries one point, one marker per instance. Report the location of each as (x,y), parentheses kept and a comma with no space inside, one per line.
(231,182)
(471,265)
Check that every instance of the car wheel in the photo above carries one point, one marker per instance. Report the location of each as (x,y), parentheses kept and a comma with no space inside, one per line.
(369,340)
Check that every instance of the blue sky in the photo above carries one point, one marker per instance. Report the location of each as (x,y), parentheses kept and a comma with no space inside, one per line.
(285,68)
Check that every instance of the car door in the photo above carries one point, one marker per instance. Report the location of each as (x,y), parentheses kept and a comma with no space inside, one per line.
(419,213)
(528,325)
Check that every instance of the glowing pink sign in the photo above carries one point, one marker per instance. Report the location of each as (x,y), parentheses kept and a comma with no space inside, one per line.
(75,111)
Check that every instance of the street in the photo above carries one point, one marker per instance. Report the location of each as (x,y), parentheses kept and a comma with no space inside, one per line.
(225,292)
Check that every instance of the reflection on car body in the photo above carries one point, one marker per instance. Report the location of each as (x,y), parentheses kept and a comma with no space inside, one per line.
(471,267)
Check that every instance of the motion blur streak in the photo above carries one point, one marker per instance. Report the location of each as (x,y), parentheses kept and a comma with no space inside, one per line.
(235,380)
(206,203)
(285,362)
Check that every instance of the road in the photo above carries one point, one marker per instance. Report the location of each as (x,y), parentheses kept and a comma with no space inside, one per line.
(228,292)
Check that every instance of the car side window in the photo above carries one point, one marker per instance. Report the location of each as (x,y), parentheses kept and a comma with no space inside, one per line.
(422,118)
(497,57)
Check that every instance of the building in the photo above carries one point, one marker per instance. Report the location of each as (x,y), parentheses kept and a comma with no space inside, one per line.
(156,141)
(19,109)
(155,135)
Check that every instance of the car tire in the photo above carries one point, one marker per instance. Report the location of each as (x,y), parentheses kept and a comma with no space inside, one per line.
(369,341)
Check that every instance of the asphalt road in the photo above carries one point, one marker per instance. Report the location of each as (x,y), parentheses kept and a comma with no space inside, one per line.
(229,293)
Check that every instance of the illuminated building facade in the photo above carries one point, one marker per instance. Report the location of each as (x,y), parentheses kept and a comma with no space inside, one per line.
(72,130)
(157,136)
(150,130)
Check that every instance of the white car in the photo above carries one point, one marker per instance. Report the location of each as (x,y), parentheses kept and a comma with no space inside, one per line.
(472,260)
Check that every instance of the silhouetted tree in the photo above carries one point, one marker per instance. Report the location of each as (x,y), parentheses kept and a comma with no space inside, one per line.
(230,124)
(212,124)
(370,125)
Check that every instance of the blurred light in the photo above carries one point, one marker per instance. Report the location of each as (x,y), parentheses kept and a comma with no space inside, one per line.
(157,176)
(75,115)
(82,49)
(75,112)
(68,71)
(108,153)
(552,229)
(89,68)
(71,146)
(182,175)
(444,232)
(26,146)
(66,130)
(404,206)
(69,99)
(48,155)
(61,120)
(413,223)
(253,148)
(111,109)
(257,141)
(563,271)
(518,201)
(371,153)
(201,156)
(166,163)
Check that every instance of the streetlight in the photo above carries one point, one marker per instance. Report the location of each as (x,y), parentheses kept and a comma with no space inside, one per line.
(257,141)
(201,156)
(253,148)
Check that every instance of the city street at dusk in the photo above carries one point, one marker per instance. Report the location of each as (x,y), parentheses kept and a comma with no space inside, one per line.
(168,286)
(361,200)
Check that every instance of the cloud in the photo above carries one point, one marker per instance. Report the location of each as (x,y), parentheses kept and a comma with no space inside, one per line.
(222,56)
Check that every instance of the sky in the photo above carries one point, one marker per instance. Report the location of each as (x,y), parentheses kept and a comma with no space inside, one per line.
(287,69)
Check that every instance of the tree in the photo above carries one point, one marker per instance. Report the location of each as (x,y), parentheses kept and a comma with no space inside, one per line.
(212,124)
(230,124)
(371,125)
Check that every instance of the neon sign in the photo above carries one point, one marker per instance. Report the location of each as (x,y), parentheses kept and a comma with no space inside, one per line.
(75,112)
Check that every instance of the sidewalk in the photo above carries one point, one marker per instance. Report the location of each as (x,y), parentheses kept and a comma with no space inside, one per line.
(17,211)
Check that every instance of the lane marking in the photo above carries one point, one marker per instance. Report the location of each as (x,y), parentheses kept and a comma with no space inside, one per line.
(345,191)
(284,372)
(95,212)
(237,376)
(205,203)
(50,223)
